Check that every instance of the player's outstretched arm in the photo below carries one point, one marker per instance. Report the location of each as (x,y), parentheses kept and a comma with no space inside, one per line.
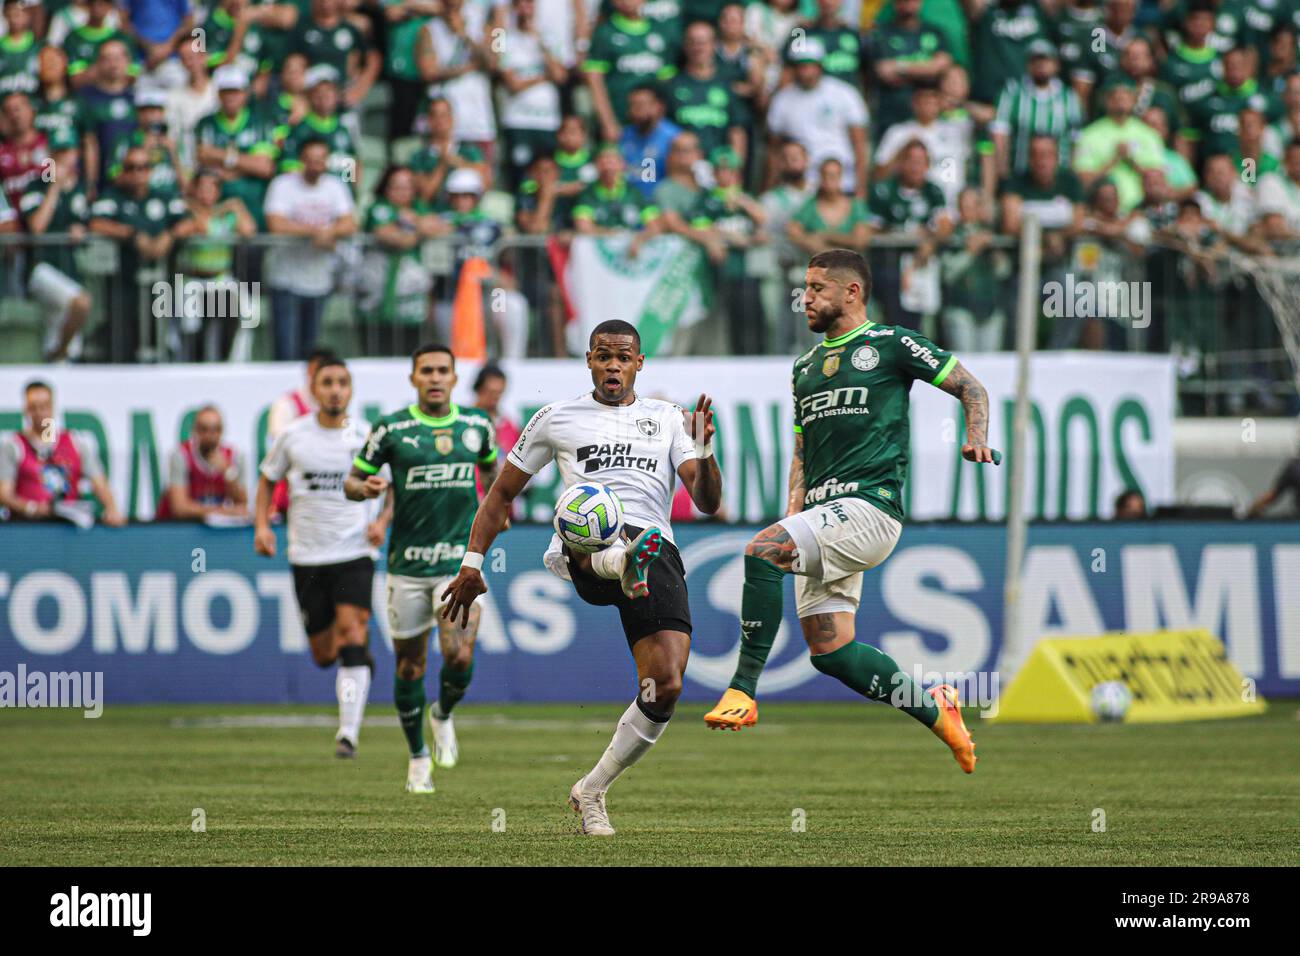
(975,400)
(701,475)
(488,522)
(263,536)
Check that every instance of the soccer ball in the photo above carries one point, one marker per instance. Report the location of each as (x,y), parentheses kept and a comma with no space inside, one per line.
(1111,700)
(588,516)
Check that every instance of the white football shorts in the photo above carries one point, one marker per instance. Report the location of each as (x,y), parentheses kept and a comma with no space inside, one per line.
(837,541)
(414,603)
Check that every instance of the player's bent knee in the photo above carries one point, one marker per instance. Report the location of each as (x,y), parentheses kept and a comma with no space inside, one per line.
(324,657)
(661,691)
(410,670)
(351,633)
(459,660)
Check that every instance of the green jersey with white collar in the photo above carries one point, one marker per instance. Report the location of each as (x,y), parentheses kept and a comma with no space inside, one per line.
(851,406)
(433,462)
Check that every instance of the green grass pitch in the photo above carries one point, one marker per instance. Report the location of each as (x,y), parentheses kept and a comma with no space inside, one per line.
(871,787)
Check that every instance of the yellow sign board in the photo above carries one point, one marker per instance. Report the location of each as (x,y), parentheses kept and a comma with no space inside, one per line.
(1172,675)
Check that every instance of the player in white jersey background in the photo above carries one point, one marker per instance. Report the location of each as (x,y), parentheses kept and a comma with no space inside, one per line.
(639,448)
(332,540)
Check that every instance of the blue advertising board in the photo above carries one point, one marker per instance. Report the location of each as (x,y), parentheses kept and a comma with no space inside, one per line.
(188,613)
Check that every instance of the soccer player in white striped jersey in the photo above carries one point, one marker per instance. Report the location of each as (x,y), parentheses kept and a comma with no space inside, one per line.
(639,448)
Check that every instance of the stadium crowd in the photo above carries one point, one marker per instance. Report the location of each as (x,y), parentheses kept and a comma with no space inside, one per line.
(1149,139)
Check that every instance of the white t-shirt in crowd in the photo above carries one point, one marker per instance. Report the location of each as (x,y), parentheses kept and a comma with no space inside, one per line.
(324,526)
(634,449)
(470,95)
(1236,215)
(1279,195)
(303,268)
(947,143)
(820,120)
(557,25)
(184,109)
(537,107)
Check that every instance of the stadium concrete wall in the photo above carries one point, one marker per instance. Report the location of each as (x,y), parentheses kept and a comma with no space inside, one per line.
(188,613)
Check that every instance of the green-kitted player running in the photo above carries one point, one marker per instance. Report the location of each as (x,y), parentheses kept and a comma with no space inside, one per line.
(844,511)
(434,451)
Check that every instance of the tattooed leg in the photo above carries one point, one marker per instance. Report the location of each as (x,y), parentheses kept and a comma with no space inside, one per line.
(457,644)
(863,668)
(768,559)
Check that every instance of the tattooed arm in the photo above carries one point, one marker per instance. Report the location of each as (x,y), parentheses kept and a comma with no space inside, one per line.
(794,501)
(975,401)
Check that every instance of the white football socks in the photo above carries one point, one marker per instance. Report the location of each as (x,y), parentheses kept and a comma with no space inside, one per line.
(636,733)
(610,562)
(352,687)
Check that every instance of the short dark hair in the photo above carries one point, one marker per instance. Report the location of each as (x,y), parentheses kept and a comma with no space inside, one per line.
(330,361)
(321,353)
(382,186)
(654,89)
(1128,493)
(311,141)
(207,407)
(914,143)
(615,327)
(427,347)
(488,371)
(845,260)
(37,383)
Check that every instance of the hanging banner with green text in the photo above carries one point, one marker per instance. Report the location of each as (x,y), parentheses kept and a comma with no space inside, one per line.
(1099,423)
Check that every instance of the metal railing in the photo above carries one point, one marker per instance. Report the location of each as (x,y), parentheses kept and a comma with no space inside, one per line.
(1206,312)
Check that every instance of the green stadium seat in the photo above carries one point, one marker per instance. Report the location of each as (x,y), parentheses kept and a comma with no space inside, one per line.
(22,329)
(339,326)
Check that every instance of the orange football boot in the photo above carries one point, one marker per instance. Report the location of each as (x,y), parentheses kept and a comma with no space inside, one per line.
(950,728)
(736,709)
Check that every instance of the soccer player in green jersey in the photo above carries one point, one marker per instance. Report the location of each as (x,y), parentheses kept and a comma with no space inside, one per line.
(433,449)
(844,510)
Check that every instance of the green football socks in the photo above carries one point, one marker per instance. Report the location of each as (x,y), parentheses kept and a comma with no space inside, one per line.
(874,674)
(452,685)
(866,669)
(760,618)
(408,695)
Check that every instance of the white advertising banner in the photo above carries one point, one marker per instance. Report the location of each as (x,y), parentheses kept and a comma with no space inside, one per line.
(1099,423)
